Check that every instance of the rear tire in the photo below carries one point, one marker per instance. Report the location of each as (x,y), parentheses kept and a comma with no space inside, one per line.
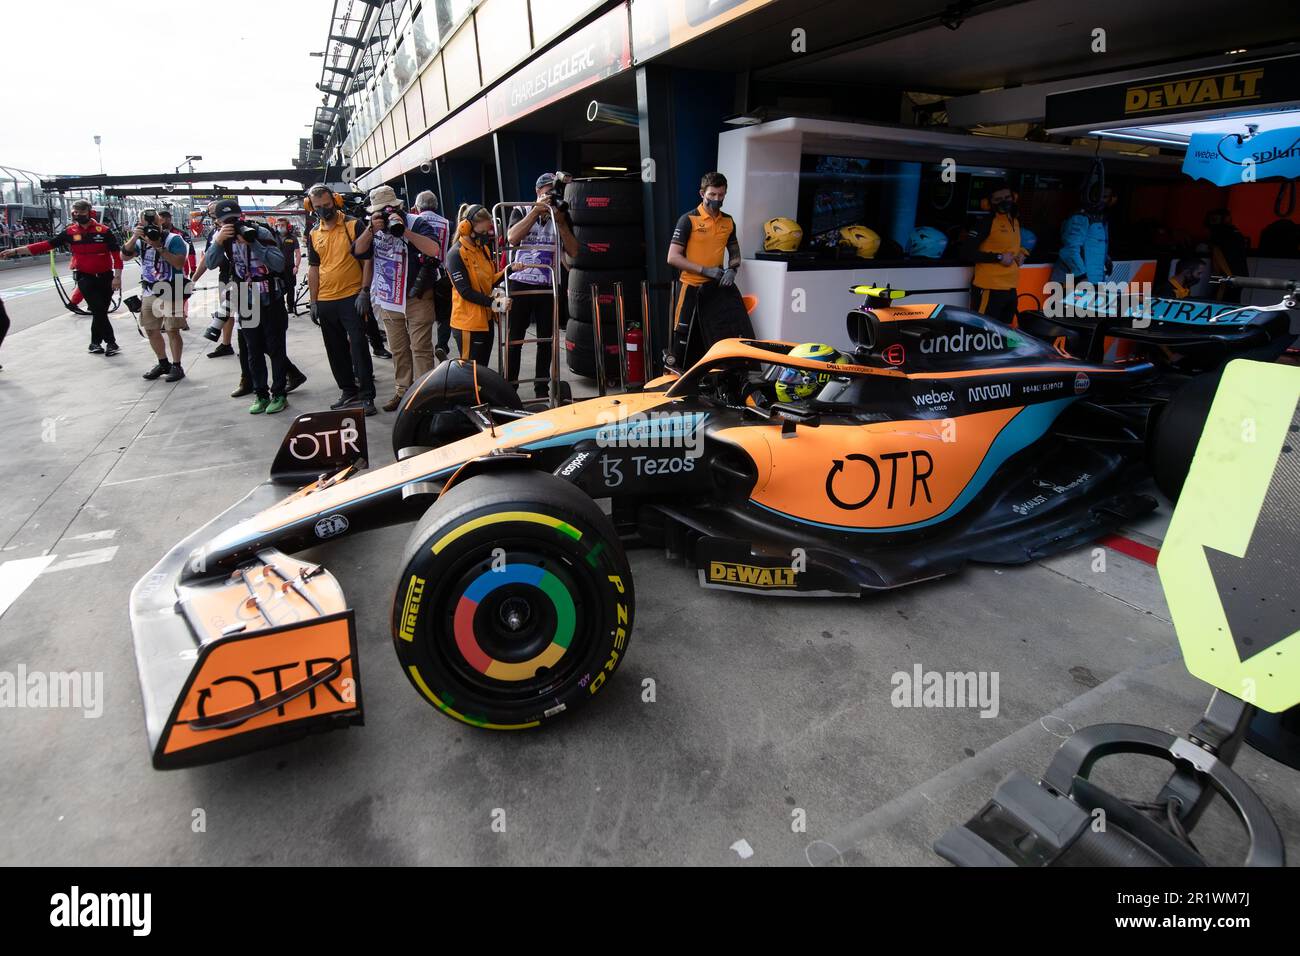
(515,602)
(1178,430)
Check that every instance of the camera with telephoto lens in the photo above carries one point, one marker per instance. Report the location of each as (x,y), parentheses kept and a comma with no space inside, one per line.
(555,198)
(394,221)
(151,230)
(246,230)
(426,277)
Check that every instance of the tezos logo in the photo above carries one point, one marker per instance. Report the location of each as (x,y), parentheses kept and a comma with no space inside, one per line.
(331,527)
(1081,383)
(963,341)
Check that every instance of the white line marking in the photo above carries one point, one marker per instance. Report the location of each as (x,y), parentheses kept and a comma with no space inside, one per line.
(93,535)
(83,558)
(17,576)
(170,474)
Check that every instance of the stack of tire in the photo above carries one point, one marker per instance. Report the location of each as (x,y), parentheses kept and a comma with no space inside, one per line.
(607,222)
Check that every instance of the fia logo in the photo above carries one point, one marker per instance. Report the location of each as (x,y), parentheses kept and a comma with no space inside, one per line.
(331,527)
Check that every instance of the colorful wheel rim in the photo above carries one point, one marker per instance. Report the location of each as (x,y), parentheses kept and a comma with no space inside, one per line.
(519,577)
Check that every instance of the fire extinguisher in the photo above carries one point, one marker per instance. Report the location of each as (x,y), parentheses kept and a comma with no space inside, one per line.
(635,356)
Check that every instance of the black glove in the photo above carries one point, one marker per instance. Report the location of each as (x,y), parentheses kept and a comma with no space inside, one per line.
(728,278)
(363,302)
(712,272)
(311,307)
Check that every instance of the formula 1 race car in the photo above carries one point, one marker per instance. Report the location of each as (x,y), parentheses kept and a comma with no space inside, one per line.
(941,438)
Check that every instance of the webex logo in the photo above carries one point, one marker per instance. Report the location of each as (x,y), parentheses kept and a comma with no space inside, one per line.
(77,909)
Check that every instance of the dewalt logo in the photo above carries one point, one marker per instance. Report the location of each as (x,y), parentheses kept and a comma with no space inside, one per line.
(749,576)
(411,608)
(1222,88)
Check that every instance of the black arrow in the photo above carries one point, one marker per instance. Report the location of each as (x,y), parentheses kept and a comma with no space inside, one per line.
(836,467)
(1260,591)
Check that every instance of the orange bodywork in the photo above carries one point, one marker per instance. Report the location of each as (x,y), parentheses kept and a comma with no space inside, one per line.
(877,476)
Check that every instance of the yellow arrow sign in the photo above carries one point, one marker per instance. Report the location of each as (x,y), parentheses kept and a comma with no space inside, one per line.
(1230,564)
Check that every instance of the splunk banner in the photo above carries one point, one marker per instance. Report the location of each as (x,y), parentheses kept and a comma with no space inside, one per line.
(1228,160)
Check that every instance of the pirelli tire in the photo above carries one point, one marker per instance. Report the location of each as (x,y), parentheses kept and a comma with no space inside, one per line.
(580,282)
(609,247)
(604,202)
(515,602)
(580,349)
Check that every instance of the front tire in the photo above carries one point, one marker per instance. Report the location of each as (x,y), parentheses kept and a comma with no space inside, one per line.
(515,602)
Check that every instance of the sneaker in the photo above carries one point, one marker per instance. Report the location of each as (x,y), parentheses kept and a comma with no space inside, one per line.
(369,407)
(294,379)
(277,404)
(382,352)
(96,350)
(175,375)
(243,388)
(440,354)
(111,350)
(221,351)
(162,368)
(392,403)
(345,401)
(258,406)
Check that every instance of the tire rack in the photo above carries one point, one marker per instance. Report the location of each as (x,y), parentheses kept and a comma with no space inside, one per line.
(500,215)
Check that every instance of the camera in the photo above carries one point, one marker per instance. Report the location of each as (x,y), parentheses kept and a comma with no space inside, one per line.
(428,275)
(555,198)
(394,222)
(246,230)
(151,230)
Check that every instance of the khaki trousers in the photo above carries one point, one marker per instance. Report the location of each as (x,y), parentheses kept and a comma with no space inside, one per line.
(410,339)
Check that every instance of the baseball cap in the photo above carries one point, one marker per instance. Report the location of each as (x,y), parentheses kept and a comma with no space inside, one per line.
(226,208)
(545,179)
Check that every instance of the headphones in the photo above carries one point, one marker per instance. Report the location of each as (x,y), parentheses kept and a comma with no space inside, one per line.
(472,212)
(987,206)
(306,202)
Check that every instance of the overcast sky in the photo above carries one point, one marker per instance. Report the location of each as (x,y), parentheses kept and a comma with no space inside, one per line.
(140,75)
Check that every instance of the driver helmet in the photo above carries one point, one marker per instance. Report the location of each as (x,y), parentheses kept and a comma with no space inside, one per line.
(927,242)
(863,241)
(781,235)
(799,383)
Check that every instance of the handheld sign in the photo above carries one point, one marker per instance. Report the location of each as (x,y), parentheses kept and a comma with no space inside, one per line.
(1230,564)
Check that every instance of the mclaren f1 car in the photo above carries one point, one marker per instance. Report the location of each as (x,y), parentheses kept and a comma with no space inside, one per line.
(940,438)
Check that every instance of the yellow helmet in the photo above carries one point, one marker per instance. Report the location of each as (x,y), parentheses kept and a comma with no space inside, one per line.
(861,240)
(796,383)
(781,235)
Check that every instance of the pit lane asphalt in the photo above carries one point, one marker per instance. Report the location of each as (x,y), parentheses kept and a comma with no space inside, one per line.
(763,707)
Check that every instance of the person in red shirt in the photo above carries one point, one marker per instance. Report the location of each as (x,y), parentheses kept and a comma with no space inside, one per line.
(97,265)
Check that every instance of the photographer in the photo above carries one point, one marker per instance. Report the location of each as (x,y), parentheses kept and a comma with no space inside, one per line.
(532,302)
(334,282)
(254,260)
(162,277)
(97,265)
(392,245)
(433,276)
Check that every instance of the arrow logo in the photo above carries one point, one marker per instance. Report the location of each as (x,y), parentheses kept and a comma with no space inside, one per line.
(1259,592)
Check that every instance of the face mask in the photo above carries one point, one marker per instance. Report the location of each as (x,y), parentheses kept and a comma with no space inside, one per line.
(481,237)
(327,214)
(714,204)
(283,231)
(1006,206)
(83,219)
